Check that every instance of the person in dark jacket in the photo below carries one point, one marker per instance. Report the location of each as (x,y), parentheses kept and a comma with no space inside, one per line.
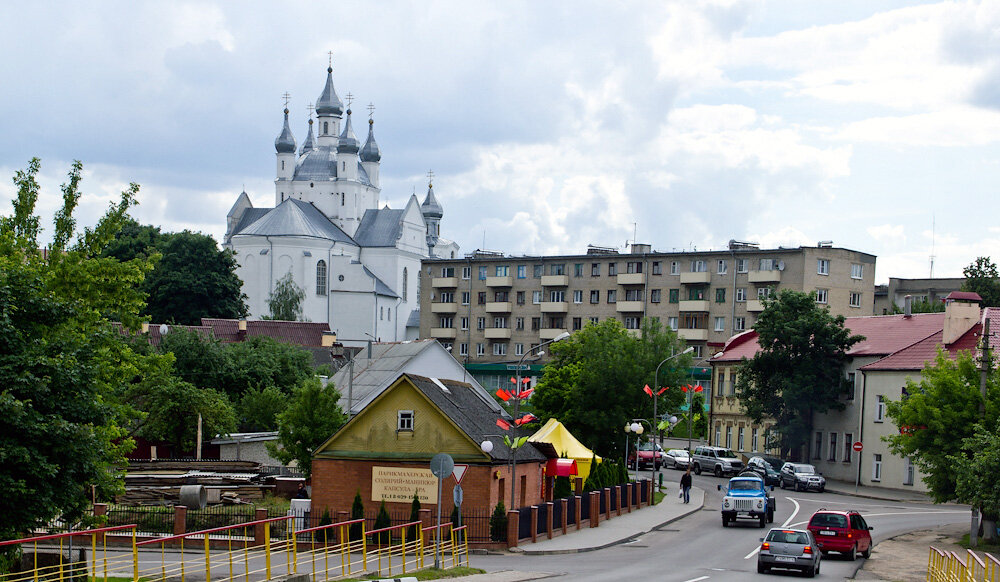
(686,485)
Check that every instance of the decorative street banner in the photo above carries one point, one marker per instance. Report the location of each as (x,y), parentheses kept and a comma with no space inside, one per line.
(395,484)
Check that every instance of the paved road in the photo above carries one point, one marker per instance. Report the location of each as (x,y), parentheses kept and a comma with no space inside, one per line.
(697,548)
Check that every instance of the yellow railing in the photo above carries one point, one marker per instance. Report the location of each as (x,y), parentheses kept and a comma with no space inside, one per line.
(947,566)
(102,564)
(453,548)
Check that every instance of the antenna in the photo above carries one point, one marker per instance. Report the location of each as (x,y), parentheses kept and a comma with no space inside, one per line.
(635,228)
(932,246)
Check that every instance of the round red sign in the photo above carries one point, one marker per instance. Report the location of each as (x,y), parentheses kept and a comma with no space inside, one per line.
(858,446)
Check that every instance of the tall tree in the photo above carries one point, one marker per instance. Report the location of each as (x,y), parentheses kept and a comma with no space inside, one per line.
(312,416)
(63,366)
(975,476)
(285,301)
(981,277)
(594,383)
(798,371)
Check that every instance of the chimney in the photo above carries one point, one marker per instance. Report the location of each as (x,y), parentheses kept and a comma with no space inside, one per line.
(961,312)
(908,306)
(329,338)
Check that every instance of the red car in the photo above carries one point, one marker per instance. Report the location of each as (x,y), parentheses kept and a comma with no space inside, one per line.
(649,456)
(841,531)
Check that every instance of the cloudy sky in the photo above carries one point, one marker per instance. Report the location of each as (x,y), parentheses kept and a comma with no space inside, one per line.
(549,126)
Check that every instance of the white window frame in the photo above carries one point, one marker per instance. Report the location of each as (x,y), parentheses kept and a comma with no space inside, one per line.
(823,267)
(729,437)
(720,324)
(739,438)
(855,299)
(880,409)
(718,434)
(723,267)
(741,294)
(753,438)
(480,349)
(500,349)
(578,296)
(822,296)
(876,467)
(675,268)
(466,273)
(699,266)
(404,420)
(672,322)
(742,265)
(536,297)
(739,324)
(857,271)
(464,321)
(518,349)
(463,349)
(909,472)
(833,448)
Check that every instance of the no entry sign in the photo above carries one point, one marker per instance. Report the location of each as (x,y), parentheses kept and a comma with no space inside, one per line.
(857,446)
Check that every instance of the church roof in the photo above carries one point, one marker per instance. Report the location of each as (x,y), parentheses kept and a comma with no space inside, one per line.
(285,142)
(348,142)
(380,287)
(321,164)
(310,143)
(414,319)
(328,102)
(296,218)
(430,207)
(250,216)
(370,152)
(379,228)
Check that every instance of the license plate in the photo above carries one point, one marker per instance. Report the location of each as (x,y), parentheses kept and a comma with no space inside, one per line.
(827,533)
(783,559)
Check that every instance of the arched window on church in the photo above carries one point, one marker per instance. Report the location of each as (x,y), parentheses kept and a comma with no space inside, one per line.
(321,278)
(326,127)
(282,164)
(405,280)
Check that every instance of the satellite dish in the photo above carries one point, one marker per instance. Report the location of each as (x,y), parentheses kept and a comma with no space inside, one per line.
(781,265)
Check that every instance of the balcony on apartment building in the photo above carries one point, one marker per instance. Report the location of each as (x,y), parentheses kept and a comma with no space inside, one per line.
(692,334)
(696,305)
(702,278)
(773,276)
(631,279)
(555,280)
(494,333)
(551,333)
(444,332)
(554,306)
(755,305)
(629,306)
(444,282)
(499,281)
(444,307)
(498,307)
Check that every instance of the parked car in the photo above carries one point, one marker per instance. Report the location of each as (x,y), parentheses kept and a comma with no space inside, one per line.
(677,459)
(789,548)
(841,531)
(776,462)
(764,469)
(747,497)
(801,477)
(650,455)
(720,461)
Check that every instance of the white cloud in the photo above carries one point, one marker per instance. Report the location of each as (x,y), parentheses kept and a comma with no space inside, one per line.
(891,234)
(953,127)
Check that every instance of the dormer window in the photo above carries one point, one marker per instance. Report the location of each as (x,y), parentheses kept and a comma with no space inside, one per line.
(404,420)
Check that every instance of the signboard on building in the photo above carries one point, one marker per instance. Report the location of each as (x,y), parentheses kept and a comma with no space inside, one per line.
(398,484)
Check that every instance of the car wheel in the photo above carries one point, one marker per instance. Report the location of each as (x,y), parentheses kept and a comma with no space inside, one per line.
(770,516)
(811,572)
(781,483)
(718,471)
(725,521)
(797,488)
(818,562)
(763,520)
(852,554)
(697,469)
(868,551)
(762,569)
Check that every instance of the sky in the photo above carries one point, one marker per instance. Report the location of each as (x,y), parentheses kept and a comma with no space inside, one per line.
(548,126)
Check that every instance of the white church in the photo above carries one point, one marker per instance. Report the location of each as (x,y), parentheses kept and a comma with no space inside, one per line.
(357,263)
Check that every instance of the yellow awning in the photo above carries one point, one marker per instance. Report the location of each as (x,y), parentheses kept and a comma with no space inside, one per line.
(565,444)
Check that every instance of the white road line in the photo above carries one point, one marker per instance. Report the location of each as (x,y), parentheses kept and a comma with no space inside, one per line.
(697,579)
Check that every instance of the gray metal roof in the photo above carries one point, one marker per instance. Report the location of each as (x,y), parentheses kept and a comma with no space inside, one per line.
(380,287)
(250,216)
(296,218)
(379,228)
(414,319)
(371,153)
(328,102)
(348,142)
(310,143)
(319,164)
(430,207)
(285,143)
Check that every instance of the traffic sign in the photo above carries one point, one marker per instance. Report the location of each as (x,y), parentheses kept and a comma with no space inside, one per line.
(459,472)
(442,465)
(857,446)
(457,495)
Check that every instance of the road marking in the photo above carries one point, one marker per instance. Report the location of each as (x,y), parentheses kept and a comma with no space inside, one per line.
(697,579)
(787,521)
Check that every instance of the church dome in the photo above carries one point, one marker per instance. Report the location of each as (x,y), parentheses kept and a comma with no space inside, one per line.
(371,153)
(430,208)
(319,164)
(348,142)
(328,102)
(310,143)
(285,143)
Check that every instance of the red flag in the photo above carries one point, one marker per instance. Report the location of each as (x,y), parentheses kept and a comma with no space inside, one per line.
(662,390)
(503,394)
(513,380)
(503,424)
(647,390)
(525,393)
(684,388)
(526,419)
(698,388)
(525,380)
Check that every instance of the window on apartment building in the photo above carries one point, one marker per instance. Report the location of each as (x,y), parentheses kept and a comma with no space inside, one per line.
(718,434)
(480,349)
(536,297)
(480,323)
(501,270)
(577,323)
(818,445)
(766,264)
(536,323)
(499,349)
(833,447)
(612,295)
(593,320)
(880,409)
(466,273)
(404,420)
(612,269)
(720,324)
(698,266)
(557,296)
(522,271)
(654,295)
(519,297)
(721,267)
(739,324)
(633,267)
(729,437)
(697,352)
(696,293)
(741,294)
(908,471)
(482,273)
(537,270)
(855,299)
(501,296)
(822,266)
(463,349)
(466,297)
(720,295)
(578,270)
(481,298)
(447,297)
(857,271)
(822,296)
(557,322)
(672,323)
(595,296)
(739,439)
(557,269)
(763,293)
(848,447)
(519,323)
(634,295)
(500,322)
(632,322)
(675,268)
(876,467)
(741,267)
(851,379)
(578,296)
(518,349)
(753,439)
(595,269)
(675,295)
(464,322)
(446,321)
(657,268)
(447,271)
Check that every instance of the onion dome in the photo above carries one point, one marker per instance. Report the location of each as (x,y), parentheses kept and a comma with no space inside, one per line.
(430,208)
(371,153)
(310,143)
(348,142)
(285,143)
(328,102)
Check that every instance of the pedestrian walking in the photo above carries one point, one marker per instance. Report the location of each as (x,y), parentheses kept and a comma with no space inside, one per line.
(686,485)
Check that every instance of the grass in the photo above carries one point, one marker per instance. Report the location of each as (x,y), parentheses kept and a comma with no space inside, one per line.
(428,574)
(983,547)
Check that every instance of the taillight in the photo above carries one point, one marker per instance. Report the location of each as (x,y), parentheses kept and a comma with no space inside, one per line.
(849,534)
(807,550)
(765,546)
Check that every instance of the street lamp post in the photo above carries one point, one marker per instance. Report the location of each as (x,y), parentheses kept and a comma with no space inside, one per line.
(636,427)
(656,395)
(517,406)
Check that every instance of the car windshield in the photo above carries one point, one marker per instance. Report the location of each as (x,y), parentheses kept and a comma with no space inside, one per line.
(678,453)
(804,469)
(726,453)
(745,485)
(646,447)
(788,537)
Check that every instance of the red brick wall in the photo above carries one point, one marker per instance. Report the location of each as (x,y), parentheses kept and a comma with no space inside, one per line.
(335,482)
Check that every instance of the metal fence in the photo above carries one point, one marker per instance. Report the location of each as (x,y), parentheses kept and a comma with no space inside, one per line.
(148,520)
(945,566)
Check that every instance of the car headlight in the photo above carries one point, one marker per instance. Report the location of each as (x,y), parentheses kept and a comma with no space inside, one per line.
(760,504)
(725,503)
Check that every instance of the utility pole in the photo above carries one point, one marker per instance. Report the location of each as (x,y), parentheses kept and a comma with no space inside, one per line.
(984,367)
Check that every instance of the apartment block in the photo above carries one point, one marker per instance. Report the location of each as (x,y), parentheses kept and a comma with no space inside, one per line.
(491,308)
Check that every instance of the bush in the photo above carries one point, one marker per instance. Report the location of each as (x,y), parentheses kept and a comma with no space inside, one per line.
(562,488)
(498,523)
(357,512)
(382,520)
(412,532)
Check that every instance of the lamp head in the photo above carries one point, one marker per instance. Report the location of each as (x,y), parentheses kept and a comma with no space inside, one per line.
(672,419)
(636,428)
(561,336)
(688,350)
(628,427)
(486,446)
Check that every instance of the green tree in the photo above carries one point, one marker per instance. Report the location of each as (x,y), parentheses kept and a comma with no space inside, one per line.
(261,361)
(921,306)
(594,383)
(355,530)
(63,366)
(285,301)
(258,409)
(498,523)
(382,521)
(975,471)
(312,416)
(198,359)
(411,532)
(981,277)
(799,369)
(172,408)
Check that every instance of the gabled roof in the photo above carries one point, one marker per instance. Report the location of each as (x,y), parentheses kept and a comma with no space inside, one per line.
(917,355)
(250,216)
(296,218)
(300,333)
(380,287)
(380,228)
(964,296)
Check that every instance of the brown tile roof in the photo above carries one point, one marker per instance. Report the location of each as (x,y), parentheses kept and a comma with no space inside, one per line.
(301,333)
(916,356)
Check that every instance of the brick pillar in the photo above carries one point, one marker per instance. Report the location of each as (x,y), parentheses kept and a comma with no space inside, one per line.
(100,510)
(425,521)
(627,491)
(534,523)
(513,527)
(578,485)
(548,519)
(180,519)
(618,500)
(607,503)
(578,506)
(259,514)
(595,509)
(565,510)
